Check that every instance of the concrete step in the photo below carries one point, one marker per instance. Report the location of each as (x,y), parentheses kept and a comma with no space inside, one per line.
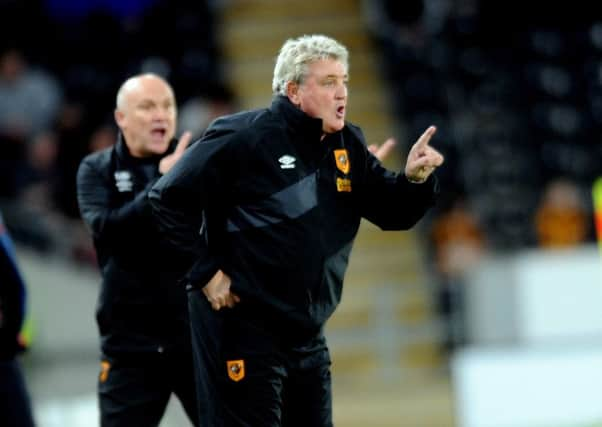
(389,357)
(247,39)
(422,400)
(410,305)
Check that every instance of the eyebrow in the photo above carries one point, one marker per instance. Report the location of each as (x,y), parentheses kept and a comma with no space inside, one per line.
(336,76)
(153,101)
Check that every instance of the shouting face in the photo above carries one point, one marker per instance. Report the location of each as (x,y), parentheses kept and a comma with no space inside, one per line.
(323,93)
(146,115)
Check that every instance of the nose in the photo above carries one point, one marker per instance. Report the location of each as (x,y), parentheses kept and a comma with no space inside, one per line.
(160,114)
(341,92)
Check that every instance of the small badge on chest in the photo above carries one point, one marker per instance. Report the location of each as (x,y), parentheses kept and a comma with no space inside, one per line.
(236,369)
(341,158)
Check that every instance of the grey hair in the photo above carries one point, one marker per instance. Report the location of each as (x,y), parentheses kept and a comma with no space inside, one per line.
(296,55)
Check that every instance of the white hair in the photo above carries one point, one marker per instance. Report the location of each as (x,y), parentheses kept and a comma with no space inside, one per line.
(296,55)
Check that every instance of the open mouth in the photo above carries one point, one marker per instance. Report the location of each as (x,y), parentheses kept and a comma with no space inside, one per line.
(158,133)
(341,111)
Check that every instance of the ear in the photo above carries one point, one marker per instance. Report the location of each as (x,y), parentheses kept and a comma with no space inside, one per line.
(292,92)
(119,117)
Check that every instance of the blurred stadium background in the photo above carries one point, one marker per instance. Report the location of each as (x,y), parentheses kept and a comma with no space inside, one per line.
(485,315)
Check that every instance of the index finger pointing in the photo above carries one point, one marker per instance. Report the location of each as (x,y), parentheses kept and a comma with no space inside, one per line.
(426,136)
(183,142)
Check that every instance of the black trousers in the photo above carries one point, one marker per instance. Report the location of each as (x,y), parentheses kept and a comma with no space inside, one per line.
(135,391)
(206,332)
(255,379)
(15,406)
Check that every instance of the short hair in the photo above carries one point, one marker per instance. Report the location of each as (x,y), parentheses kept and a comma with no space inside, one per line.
(296,54)
(133,81)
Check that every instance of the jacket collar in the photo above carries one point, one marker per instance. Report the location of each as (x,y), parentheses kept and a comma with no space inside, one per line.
(296,119)
(121,148)
(123,152)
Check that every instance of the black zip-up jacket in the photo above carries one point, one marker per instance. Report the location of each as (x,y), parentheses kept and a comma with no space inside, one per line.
(282,208)
(141,307)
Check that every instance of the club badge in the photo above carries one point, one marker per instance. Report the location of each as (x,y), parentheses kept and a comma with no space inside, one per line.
(105,367)
(236,369)
(342,160)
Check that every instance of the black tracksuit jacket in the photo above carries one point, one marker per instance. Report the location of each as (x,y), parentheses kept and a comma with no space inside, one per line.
(281,210)
(141,307)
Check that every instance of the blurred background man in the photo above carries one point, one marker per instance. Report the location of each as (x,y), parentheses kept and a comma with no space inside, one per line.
(142,315)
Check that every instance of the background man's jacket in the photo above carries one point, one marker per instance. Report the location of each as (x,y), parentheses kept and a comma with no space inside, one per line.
(140,306)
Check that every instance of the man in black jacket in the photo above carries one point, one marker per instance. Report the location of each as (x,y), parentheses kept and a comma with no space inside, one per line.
(141,312)
(282,191)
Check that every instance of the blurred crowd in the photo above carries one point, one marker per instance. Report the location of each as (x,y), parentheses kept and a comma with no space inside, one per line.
(61,63)
(516,90)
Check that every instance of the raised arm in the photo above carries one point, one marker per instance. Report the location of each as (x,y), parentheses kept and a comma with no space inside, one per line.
(397,201)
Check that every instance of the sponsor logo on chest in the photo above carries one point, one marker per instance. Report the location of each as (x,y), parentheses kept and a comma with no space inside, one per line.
(287,162)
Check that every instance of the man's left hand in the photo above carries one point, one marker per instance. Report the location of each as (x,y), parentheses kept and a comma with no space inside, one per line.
(422,158)
(382,151)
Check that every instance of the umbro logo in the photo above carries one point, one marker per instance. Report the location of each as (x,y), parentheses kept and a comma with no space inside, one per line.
(287,162)
(123,181)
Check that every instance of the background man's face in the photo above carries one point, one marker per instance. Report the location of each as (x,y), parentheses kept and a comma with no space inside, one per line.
(148,117)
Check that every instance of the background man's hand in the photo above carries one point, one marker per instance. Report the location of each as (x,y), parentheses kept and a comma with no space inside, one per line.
(422,158)
(168,161)
(382,151)
(218,292)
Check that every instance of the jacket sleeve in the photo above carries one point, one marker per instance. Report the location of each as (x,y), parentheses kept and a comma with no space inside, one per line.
(181,199)
(107,223)
(390,201)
